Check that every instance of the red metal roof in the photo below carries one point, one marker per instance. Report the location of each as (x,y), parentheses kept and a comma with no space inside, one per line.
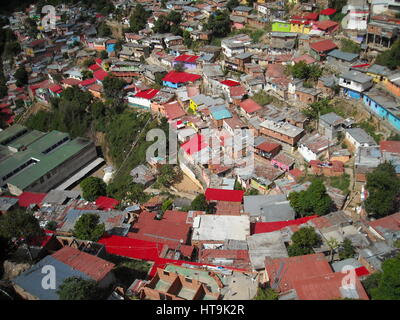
(56,88)
(323,46)
(100,74)
(250,106)
(390,146)
(264,227)
(194,144)
(230,83)
(105,203)
(87,82)
(28,198)
(224,195)
(312,16)
(328,12)
(94,267)
(144,250)
(187,58)
(325,24)
(147,94)
(98,61)
(180,77)
(94,67)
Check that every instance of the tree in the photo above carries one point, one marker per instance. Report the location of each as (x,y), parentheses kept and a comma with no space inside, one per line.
(179,67)
(103,55)
(87,74)
(383,187)
(231,4)
(346,249)
(51,225)
(166,205)
(187,39)
(303,242)
(88,227)
(92,188)
(88,62)
(138,18)
(385,285)
(266,294)
(219,24)
(390,58)
(333,244)
(21,76)
(103,30)
(302,70)
(162,25)
(199,203)
(113,87)
(21,225)
(76,288)
(314,200)
(168,175)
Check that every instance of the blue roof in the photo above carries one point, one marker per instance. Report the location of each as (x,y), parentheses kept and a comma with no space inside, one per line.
(31,279)
(220,112)
(347,56)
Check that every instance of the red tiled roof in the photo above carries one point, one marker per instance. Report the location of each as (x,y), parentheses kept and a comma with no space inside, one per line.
(328,12)
(94,267)
(325,287)
(213,194)
(230,83)
(306,58)
(94,67)
(71,81)
(325,24)
(296,172)
(87,82)
(194,144)
(105,203)
(180,77)
(390,146)
(96,87)
(296,268)
(237,91)
(250,106)
(323,46)
(187,58)
(100,74)
(264,227)
(28,198)
(174,110)
(4,105)
(147,94)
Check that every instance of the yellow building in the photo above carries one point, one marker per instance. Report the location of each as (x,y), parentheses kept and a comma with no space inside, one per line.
(300,27)
(193,106)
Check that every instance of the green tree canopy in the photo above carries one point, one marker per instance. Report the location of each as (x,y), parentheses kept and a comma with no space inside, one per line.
(168,175)
(103,30)
(75,288)
(350,46)
(113,87)
(199,203)
(303,242)
(385,285)
(88,227)
(390,58)
(346,249)
(219,24)
(21,75)
(383,186)
(312,201)
(302,70)
(231,4)
(21,225)
(138,19)
(92,188)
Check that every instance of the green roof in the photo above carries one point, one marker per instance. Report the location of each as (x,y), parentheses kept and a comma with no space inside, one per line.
(10,132)
(36,143)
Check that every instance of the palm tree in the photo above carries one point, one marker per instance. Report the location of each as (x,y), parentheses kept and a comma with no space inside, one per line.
(333,244)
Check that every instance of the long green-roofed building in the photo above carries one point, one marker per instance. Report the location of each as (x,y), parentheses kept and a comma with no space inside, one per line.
(36,161)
